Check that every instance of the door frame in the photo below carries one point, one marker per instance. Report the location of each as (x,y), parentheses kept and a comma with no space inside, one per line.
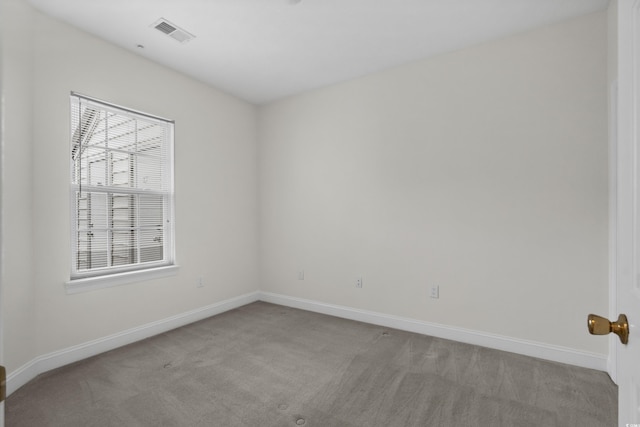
(2,161)
(613,224)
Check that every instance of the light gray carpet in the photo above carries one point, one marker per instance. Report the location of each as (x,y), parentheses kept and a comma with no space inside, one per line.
(267,365)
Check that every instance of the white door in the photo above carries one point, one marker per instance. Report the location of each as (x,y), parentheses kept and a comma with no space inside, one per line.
(628,210)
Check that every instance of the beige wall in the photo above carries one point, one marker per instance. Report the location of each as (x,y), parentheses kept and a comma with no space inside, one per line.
(483,171)
(215,180)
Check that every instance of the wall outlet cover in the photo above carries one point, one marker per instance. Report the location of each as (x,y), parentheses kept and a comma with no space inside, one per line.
(435,292)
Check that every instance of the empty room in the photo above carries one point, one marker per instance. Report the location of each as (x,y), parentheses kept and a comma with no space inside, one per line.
(319,213)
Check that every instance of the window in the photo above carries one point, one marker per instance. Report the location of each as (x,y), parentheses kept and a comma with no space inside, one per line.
(121,190)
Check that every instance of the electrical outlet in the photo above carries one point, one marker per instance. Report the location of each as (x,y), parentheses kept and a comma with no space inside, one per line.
(435,291)
(359,282)
(199,283)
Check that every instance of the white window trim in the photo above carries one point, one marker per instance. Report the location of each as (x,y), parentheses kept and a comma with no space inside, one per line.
(90,281)
(116,279)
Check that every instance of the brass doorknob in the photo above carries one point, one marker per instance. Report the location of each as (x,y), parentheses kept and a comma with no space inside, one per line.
(600,326)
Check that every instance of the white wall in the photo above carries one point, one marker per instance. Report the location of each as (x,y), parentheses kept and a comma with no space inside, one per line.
(216,192)
(483,171)
(16,79)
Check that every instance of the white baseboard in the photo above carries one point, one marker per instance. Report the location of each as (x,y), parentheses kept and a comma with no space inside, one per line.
(498,342)
(47,362)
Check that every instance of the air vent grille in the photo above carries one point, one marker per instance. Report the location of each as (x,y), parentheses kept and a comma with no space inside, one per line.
(172,30)
(165,27)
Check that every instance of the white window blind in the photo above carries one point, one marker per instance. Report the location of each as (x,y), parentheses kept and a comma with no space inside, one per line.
(121,189)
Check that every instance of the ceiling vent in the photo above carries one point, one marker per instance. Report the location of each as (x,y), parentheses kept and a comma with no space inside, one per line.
(172,30)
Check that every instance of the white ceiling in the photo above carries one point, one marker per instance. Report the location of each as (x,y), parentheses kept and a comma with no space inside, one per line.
(263,50)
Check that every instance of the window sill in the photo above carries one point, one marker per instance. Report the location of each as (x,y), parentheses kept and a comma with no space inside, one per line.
(75,286)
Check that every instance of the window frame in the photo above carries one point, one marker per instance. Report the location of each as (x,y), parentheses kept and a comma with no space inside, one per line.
(112,275)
